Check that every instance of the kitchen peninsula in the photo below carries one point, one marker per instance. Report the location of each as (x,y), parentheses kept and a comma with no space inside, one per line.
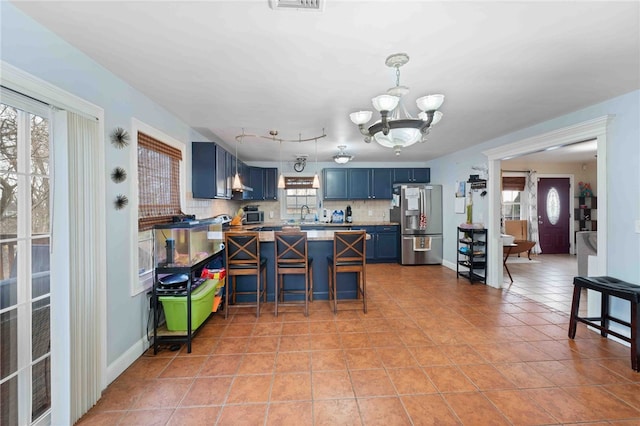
(382,247)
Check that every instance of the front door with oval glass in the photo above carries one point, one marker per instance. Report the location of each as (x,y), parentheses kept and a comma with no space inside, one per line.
(553,215)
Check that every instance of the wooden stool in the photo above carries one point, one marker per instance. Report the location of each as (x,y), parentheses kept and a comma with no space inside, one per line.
(608,286)
(243,258)
(349,255)
(292,258)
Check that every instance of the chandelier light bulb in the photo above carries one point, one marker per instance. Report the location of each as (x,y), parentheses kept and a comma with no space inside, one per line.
(430,102)
(385,102)
(360,117)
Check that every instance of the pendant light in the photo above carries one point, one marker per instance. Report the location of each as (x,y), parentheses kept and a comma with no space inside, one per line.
(281,177)
(237,185)
(316,179)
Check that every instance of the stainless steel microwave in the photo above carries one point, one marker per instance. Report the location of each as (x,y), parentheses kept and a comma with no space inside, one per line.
(254,216)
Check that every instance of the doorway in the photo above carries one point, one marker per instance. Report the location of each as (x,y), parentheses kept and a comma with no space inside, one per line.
(554,215)
(595,129)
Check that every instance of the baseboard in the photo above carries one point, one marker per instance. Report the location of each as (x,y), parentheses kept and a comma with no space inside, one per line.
(125,360)
(450,265)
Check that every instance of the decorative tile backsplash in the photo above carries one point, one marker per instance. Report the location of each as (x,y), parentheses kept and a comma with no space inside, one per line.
(362,210)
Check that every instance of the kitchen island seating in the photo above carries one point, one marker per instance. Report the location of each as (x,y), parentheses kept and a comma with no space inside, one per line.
(243,258)
(292,258)
(349,255)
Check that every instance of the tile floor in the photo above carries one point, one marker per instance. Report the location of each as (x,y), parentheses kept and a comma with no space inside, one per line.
(432,349)
(548,279)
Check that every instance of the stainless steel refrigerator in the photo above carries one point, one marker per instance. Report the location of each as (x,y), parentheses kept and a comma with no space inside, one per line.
(418,210)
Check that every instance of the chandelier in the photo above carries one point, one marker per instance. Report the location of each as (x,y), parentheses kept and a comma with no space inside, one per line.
(396,128)
(342,157)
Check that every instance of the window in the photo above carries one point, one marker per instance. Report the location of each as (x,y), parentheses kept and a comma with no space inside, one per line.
(298,194)
(511,206)
(158,182)
(512,196)
(25,324)
(160,171)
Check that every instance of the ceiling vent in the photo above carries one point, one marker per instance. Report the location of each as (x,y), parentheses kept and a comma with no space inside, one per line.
(313,5)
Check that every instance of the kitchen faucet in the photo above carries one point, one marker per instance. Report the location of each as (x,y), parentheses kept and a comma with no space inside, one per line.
(302,211)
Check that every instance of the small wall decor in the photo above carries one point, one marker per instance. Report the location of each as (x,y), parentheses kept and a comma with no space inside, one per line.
(585,189)
(118,175)
(121,201)
(120,137)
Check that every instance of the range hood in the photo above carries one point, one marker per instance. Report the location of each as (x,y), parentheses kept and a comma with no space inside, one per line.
(243,188)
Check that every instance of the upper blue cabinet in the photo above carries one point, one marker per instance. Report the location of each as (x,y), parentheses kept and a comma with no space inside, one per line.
(358,184)
(408,175)
(208,171)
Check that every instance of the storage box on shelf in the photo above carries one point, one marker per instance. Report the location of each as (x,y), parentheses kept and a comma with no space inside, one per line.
(472,253)
(175,307)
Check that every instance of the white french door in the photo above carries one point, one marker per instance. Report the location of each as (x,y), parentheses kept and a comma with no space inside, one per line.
(25,337)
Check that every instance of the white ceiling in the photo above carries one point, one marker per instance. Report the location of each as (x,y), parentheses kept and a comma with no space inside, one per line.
(223,66)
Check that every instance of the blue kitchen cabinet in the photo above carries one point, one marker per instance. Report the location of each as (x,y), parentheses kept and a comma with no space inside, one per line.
(383,245)
(370,184)
(387,243)
(371,242)
(256,182)
(203,170)
(381,184)
(406,175)
(335,184)
(359,184)
(209,164)
(230,172)
(270,183)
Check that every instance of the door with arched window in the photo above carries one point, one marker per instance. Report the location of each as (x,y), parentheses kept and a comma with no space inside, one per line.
(554,215)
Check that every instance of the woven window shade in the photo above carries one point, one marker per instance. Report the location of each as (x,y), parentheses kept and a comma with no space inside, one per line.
(158,182)
(513,183)
(296,182)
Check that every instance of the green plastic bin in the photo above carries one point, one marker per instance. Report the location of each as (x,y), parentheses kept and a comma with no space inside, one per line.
(175,307)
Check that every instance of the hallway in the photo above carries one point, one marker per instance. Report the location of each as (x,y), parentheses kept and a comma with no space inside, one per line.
(433,349)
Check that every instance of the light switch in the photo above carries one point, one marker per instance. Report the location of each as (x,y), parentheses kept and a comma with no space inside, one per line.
(638,226)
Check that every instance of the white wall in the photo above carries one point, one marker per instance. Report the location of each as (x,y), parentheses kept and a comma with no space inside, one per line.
(35,50)
(623,179)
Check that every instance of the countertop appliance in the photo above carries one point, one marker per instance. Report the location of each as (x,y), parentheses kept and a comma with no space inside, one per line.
(325,216)
(222,218)
(418,209)
(348,215)
(253,216)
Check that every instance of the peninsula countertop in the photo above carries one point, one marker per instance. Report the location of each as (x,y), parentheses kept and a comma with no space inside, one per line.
(316,231)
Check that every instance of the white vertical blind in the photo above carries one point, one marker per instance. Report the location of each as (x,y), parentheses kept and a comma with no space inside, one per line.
(85,255)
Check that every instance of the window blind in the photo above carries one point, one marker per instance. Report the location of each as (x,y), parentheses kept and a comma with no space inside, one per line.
(513,183)
(298,182)
(158,182)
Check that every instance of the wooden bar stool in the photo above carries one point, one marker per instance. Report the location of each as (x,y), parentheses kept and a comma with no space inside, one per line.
(292,258)
(243,258)
(349,255)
